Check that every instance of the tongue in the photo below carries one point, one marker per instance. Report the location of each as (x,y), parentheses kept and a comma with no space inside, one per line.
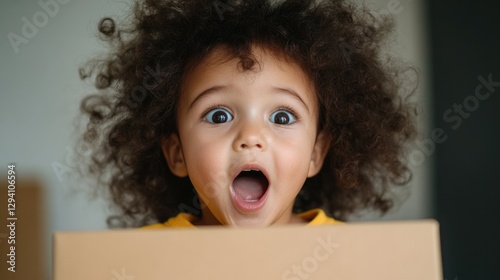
(248,188)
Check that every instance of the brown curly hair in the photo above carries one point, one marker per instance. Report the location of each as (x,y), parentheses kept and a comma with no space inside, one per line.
(337,44)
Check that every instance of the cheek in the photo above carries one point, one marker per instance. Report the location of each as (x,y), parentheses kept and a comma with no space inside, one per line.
(205,170)
(294,154)
(204,156)
(299,142)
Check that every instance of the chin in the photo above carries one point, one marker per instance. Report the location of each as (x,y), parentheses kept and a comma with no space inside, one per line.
(249,222)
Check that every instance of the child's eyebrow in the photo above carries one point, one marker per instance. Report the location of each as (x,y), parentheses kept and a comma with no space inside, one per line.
(207,92)
(292,93)
(214,89)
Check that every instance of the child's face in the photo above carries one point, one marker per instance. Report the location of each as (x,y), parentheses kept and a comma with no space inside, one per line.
(247,139)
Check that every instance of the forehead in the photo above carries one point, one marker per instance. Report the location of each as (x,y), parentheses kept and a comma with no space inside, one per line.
(221,66)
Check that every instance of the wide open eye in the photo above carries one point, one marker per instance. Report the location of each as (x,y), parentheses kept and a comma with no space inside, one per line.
(282,117)
(218,115)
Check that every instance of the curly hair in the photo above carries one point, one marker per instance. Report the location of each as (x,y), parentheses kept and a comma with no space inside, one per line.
(337,44)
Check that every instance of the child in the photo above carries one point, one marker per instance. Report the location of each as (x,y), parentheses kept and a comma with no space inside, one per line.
(247,113)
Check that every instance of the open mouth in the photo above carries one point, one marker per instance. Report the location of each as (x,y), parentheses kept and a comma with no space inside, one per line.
(250,187)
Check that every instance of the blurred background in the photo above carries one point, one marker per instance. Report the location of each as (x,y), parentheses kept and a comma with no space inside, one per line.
(454,45)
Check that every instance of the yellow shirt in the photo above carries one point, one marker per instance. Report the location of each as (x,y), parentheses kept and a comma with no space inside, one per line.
(314,216)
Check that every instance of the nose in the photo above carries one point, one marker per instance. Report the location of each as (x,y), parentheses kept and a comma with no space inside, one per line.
(251,135)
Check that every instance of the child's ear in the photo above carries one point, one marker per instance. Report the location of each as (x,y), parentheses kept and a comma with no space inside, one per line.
(172,151)
(320,150)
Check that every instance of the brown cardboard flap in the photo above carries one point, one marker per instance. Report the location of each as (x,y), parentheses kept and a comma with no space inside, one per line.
(376,251)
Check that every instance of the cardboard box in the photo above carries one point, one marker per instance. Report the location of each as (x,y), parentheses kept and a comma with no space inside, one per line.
(375,251)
